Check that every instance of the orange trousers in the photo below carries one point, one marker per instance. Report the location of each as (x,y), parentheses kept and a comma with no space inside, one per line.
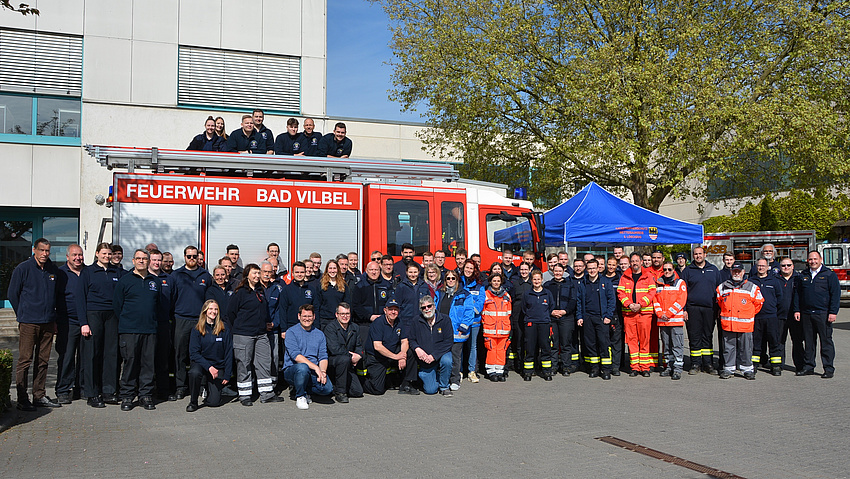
(637,327)
(497,348)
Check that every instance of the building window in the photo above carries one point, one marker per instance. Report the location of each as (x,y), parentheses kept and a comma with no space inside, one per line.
(209,77)
(40,87)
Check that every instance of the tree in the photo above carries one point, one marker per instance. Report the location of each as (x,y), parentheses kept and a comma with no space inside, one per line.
(22,8)
(639,96)
(799,210)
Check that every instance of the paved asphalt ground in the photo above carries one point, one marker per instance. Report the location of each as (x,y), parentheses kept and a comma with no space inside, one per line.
(774,427)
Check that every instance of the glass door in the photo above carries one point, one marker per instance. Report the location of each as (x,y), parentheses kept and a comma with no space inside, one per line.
(15,246)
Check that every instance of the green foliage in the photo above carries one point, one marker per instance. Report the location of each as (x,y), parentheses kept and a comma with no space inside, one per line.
(5,378)
(637,96)
(798,210)
(22,8)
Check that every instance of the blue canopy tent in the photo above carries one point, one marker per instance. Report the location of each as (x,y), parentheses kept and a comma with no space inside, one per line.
(595,217)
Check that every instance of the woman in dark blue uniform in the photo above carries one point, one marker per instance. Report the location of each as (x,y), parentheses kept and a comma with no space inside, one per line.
(211,353)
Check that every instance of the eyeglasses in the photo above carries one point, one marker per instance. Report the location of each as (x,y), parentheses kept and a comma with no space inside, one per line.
(668,269)
(786,265)
(343,314)
(191,256)
(427,306)
(451,279)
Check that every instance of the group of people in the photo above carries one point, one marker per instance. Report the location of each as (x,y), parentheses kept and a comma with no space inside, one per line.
(254,137)
(157,333)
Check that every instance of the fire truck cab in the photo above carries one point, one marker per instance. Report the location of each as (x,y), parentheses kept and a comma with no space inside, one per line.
(836,256)
(213,199)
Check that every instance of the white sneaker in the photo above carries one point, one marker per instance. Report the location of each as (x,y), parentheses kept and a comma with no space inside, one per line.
(301,403)
(454,386)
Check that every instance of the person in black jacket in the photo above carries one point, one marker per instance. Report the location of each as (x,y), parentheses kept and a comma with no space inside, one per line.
(211,352)
(191,281)
(335,144)
(248,313)
(790,279)
(220,290)
(332,290)
(431,338)
(135,301)
(563,319)
(816,304)
(537,308)
(519,285)
(208,140)
(370,296)
(245,139)
(767,331)
(99,329)
(345,350)
(34,295)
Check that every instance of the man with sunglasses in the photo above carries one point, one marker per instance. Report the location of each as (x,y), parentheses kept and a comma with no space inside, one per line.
(191,283)
(789,278)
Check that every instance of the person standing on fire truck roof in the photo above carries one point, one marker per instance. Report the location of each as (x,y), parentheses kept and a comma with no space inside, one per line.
(245,139)
(335,144)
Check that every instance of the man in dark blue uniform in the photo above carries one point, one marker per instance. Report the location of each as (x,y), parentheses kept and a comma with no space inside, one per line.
(135,302)
(68,332)
(191,282)
(245,139)
(702,279)
(335,144)
(164,354)
(309,139)
(767,330)
(287,143)
(262,132)
(388,354)
(790,279)
(34,296)
(816,306)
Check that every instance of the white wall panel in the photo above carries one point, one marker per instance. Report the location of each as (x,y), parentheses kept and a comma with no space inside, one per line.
(155,20)
(200,23)
(327,232)
(109,18)
(171,227)
(56,176)
(250,228)
(242,28)
(60,16)
(154,80)
(106,69)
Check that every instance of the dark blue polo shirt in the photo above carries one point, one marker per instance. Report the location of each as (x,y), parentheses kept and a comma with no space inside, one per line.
(389,336)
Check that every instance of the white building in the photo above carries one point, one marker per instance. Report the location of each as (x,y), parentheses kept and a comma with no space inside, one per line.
(147,73)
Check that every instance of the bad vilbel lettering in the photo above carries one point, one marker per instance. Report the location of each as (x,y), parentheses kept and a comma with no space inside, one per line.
(310,197)
(182,192)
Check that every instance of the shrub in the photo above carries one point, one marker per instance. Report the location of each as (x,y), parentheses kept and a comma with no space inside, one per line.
(5,378)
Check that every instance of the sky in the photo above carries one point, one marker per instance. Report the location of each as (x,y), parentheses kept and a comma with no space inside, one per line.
(358,76)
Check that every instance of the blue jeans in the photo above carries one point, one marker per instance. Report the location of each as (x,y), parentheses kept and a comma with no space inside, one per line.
(434,379)
(471,346)
(298,376)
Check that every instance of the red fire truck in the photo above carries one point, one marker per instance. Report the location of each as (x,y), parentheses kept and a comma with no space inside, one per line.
(305,205)
(745,245)
(836,256)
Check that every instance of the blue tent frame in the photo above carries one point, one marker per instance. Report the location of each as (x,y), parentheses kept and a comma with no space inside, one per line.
(595,217)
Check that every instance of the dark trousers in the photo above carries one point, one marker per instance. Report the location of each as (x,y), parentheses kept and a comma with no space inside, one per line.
(100,355)
(164,359)
(138,351)
(516,352)
(615,337)
(34,341)
(700,326)
(345,379)
(457,359)
(767,334)
(68,339)
(597,343)
(196,376)
(798,348)
(537,338)
(364,336)
(815,326)
(182,331)
(378,367)
(562,341)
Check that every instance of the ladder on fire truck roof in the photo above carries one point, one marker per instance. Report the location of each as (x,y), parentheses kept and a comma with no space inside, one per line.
(339,169)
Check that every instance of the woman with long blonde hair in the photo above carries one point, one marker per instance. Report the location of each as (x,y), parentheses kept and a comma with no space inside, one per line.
(211,353)
(332,290)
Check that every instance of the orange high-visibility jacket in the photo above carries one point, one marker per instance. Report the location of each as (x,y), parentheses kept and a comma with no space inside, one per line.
(496,315)
(670,300)
(738,306)
(645,288)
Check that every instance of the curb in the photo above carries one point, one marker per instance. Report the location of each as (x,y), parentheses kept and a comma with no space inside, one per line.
(8,419)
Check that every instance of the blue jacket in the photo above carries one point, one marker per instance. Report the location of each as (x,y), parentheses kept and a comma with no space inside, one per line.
(329,300)
(771,290)
(328,146)
(435,340)
(221,296)
(286,144)
(292,297)
(407,294)
(476,290)
(201,143)
(702,285)
(821,295)
(135,303)
(167,295)
(96,289)
(789,288)
(461,312)
(312,344)
(537,306)
(607,298)
(191,290)
(248,311)
(69,284)
(211,350)
(565,295)
(309,144)
(370,298)
(273,297)
(33,292)
(253,144)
